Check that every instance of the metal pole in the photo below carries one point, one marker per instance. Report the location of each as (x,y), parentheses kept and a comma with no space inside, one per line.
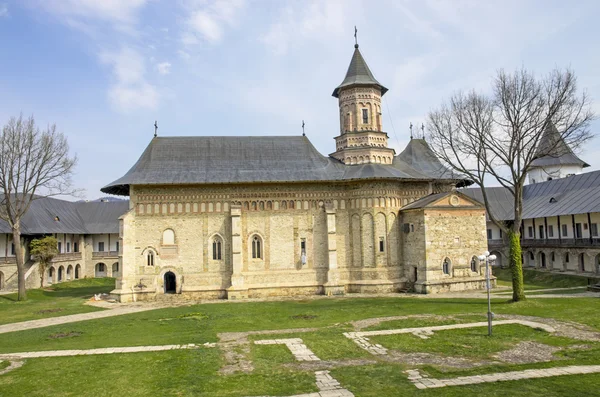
(487,281)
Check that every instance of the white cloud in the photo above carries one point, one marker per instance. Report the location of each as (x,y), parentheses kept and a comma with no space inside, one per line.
(122,14)
(312,20)
(208,20)
(163,68)
(184,55)
(130,90)
(3,10)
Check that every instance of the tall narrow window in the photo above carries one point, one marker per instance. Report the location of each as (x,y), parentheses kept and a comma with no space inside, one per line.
(446,266)
(474,264)
(365,114)
(75,247)
(550,231)
(594,230)
(12,249)
(541,231)
(530,231)
(68,247)
(100,246)
(59,247)
(117,246)
(564,230)
(256,248)
(217,247)
(381,244)
(150,258)
(489,234)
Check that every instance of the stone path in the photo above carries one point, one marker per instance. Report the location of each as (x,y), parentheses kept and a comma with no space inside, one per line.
(73,318)
(296,346)
(106,350)
(328,387)
(423,382)
(361,338)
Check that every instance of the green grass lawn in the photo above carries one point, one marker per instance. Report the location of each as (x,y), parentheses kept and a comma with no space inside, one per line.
(534,279)
(57,300)
(276,373)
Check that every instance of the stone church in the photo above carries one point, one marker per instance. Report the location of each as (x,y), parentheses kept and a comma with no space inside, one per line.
(237,217)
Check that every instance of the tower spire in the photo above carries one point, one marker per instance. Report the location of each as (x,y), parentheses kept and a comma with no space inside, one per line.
(155,128)
(355,37)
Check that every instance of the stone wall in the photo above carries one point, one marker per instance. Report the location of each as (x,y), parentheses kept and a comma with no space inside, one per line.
(451,230)
(350,234)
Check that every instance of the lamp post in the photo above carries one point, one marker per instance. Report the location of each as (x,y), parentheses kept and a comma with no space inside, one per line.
(489,260)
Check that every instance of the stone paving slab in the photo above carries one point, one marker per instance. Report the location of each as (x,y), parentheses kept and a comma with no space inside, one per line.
(296,346)
(362,340)
(422,382)
(328,387)
(106,350)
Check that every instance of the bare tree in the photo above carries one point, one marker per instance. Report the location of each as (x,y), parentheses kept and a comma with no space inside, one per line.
(34,163)
(498,136)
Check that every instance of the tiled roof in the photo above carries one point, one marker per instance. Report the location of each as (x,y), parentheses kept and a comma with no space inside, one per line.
(578,194)
(552,150)
(358,74)
(266,159)
(50,215)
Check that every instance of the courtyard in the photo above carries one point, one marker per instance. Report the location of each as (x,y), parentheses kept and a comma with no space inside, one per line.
(60,342)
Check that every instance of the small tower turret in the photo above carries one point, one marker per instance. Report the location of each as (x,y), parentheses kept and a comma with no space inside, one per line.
(361,138)
(555,159)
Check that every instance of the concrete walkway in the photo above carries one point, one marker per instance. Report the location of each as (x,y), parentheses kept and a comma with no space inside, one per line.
(328,387)
(362,340)
(422,382)
(296,346)
(73,318)
(106,350)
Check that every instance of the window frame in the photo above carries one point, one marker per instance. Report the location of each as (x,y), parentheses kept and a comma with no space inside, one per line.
(257,250)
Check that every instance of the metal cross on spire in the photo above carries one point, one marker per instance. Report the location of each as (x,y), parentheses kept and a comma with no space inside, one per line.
(355,37)
(303,128)
(155,128)
(411,134)
(423,130)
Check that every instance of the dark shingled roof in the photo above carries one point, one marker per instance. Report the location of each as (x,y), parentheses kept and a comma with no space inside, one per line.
(500,199)
(419,156)
(554,151)
(102,217)
(358,74)
(73,218)
(226,159)
(578,194)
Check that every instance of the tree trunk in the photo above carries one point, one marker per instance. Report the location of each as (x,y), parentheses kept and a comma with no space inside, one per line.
(516,264)
(16,231)
(42,270)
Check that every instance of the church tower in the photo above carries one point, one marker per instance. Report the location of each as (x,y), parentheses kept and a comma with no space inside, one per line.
(361,139)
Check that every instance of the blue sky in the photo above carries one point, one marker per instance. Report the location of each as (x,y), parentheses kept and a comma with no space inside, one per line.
(103,71)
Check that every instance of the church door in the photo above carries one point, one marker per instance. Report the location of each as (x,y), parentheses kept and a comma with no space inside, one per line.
(170,283)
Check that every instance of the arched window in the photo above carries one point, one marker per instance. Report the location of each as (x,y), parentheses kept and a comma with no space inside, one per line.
(217,248)
(150,258)
(446,266)
(115,267)
(256,247)
(168,237)
(474,261)
(77,270)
